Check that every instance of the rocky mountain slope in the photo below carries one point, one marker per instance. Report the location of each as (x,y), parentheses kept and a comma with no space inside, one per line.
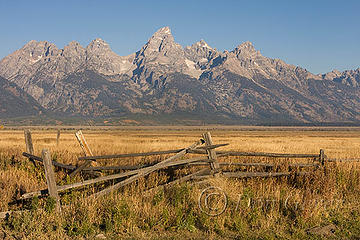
(349,77)
(163,79)
(14,102)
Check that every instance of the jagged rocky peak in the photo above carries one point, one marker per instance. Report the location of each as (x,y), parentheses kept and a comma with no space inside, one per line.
(160,56)
(199,47)
(101,59)
(246,46)
(27,59)
(97,45)
(348,77)
(331,75)
(73,44)
(162,41)
(37,49)
(246,50)
(162,32)
(352,72)
(200,53)
(72,57)
(73,48)
(202,44)
(163,35)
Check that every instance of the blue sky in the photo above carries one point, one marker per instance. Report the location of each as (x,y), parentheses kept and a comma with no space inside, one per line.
(317,35)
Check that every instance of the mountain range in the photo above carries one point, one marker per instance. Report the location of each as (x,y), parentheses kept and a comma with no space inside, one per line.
(166,83)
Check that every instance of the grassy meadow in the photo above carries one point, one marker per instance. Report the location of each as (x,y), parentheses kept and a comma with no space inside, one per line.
(258,208)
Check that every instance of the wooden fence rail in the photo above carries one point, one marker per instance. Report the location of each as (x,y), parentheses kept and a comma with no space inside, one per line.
(229,153)
(144,154)
(343,160)
(55,163)
(255,164)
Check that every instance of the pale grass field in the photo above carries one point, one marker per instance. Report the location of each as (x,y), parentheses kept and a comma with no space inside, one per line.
(337,144)
(339,183)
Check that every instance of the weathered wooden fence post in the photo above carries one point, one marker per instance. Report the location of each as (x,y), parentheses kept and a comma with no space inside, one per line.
(50,177)
(83,144)
(322,157)
(58,137)
(85,147)
(28,142)
(211,153)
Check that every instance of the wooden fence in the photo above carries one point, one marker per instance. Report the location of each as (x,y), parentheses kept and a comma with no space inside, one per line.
(208,161)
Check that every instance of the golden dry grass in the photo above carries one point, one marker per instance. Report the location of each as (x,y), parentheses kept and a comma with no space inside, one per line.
(330,195)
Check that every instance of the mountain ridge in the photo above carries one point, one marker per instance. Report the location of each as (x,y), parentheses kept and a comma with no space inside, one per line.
(165,78)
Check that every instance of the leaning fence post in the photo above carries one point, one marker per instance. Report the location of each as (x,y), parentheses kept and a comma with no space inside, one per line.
(85,147)
(50,177)
(211,153)
(83,144)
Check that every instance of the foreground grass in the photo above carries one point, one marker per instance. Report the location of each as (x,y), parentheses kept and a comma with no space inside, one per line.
(283,208)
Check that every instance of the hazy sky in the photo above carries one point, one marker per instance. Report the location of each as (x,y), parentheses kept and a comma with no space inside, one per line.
(317,35)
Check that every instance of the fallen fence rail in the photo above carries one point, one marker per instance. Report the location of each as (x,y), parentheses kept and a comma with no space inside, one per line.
(244,164)
(343,160)
(260,174)
(55,163)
